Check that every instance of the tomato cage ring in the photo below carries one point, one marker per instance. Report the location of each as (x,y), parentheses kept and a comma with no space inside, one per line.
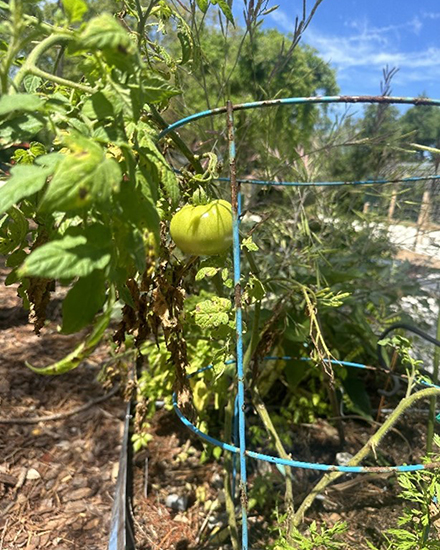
(298,463)
(236,201)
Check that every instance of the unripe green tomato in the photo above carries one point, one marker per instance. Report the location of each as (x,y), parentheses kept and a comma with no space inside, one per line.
(203,230)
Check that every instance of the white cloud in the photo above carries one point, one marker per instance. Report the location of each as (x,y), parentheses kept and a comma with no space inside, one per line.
(365,50)
(382,34)
(431,15)
(283,20)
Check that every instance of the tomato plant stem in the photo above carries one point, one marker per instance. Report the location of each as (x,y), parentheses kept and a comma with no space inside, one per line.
(268,424)
(369,446)
(30,64)
(184,149)
(433,401)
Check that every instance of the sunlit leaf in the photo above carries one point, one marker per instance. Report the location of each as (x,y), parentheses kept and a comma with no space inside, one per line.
(74,255)
(105,34)
(212,313)
(20,102)
(74,9)
(224,6)
(25,180)
(203,5)
(84,176)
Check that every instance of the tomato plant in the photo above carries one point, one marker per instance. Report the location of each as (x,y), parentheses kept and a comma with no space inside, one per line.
(78,208)
(203,230)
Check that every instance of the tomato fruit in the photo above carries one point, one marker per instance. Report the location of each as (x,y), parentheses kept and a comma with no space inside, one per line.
(203,230)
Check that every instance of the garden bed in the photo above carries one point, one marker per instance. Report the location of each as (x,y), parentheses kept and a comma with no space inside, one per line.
(57,478)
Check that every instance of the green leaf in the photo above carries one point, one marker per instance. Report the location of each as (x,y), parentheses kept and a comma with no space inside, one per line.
(139,205)
(83,301)
(186,41)
(109,132)
(20,102)
(249,244)
(224,6)
(16,258)
(20,128)
(75,255)
(28,156)
(358,395)
(100,106)
(22,156)
(81,352)
(295,372)
(12,278)
(212,313)
(156,169)
(49,161)
(155,89)
(203,5)
(25,180)
(217,452)
(206,272)
(255,288)
(13,230)
(269,10)
(31,83)
(85,176)
(139,219)
(60,105)
(104,33)
(75,9)
(37,149)
(200,395)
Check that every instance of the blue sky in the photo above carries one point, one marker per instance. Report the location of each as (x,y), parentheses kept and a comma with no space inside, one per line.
(360,37)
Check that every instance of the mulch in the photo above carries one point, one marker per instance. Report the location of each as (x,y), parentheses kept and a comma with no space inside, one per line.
(57,477)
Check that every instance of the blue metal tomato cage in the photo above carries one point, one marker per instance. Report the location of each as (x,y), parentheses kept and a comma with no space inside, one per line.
(236,199)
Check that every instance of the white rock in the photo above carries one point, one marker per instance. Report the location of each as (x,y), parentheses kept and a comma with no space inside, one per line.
(32,474)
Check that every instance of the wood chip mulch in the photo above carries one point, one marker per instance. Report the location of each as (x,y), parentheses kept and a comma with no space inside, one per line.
(57,477)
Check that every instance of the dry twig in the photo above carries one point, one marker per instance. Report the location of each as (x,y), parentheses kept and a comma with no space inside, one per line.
(60,416)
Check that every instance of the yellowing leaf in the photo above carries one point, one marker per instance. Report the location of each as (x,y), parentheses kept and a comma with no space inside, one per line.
(84,176)
(75,9)
(212,313)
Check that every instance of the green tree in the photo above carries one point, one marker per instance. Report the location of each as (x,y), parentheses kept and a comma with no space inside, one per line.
(243,68)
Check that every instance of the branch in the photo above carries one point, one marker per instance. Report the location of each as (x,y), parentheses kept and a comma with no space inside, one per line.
(60,416)
(268,424)
(34,56)
(184,149)
(371,445)
(61,81)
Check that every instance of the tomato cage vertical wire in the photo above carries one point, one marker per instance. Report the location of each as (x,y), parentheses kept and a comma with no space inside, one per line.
(241,451)
(236,213)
